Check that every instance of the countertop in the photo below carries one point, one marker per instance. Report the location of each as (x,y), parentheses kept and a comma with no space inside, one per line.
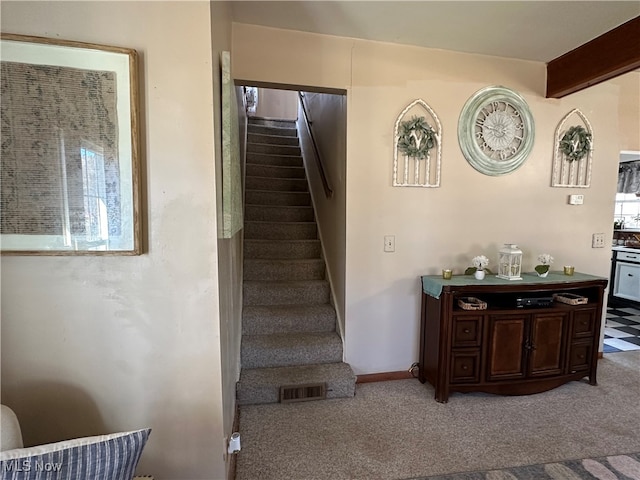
(433,284)
(622,248)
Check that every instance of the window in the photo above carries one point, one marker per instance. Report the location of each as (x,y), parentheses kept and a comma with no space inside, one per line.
(628,209)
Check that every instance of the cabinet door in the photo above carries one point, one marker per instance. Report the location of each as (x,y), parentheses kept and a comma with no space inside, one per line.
(547,344)
(506,353)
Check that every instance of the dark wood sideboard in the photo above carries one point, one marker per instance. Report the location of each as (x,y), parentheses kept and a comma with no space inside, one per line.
(505,349)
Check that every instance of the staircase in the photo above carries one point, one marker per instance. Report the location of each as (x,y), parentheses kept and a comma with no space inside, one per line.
(289,336)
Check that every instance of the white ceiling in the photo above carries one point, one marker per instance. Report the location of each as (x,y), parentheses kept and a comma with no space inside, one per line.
(529,30)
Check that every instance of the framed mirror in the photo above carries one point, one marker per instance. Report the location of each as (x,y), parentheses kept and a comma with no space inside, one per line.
(69,159)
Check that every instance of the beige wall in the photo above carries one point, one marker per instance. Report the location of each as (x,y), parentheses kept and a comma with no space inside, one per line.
(629,106)
(471,213)
(328,113)
(280,104)
(103,344)
(229,250)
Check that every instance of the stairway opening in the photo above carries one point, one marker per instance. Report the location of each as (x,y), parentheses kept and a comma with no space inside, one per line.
(291,349)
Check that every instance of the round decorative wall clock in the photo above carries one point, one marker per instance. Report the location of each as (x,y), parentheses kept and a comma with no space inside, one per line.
(496,130)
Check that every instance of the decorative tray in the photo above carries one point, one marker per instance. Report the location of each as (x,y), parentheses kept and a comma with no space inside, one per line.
(570,298)
(471,303)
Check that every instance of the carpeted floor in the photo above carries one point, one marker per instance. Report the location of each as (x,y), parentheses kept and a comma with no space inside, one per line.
(615,467)
(395,430)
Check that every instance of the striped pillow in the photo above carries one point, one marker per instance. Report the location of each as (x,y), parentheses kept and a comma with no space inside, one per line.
(103,457)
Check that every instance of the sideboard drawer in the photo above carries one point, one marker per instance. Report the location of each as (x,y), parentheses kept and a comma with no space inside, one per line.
(467,331)
(580,357)
(583,323)
(465,366)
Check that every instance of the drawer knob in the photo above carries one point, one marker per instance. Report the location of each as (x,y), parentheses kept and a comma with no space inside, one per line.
(466,330)
(464,367)
(580,357)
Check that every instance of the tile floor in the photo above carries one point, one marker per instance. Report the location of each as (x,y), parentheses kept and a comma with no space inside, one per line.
(622,330)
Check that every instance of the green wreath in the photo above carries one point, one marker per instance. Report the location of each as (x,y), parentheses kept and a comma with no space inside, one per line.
(416,138)
(576,143)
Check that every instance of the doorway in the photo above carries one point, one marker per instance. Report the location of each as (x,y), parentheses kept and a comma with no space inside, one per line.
(622,327)
(323,140)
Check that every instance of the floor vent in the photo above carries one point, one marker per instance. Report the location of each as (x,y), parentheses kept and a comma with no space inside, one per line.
(303,393)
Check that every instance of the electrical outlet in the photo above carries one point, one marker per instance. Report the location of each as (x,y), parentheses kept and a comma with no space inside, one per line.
(389,243)
(597,240)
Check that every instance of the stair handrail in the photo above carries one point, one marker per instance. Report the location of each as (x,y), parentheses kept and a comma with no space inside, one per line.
(328,191)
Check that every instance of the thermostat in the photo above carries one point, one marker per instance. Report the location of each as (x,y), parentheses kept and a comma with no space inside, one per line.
(576,199)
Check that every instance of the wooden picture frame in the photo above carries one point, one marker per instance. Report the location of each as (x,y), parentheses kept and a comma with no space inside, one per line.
(69,159)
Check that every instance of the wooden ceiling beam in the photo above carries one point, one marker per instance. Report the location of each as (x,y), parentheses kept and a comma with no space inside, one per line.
(607,56)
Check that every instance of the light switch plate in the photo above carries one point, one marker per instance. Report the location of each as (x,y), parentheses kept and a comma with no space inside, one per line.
(389,243)
(597,240)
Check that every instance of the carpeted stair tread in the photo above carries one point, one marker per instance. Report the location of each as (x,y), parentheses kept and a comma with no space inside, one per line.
(284,269)
(278,213)
(286,293)
(273,149)
(268,319)
(282,249)
(276,184)
(274,160)
(274,171)
(281,230)
(270,139)
(287,349)
(266,197)
(262,385)
(280,131)
(272,122)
